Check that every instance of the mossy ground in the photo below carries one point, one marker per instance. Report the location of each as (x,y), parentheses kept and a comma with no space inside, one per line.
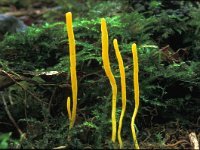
(168,49)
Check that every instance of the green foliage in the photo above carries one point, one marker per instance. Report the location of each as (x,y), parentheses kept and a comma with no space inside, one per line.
(33,49)
(193,33)
(159,139)
(45,134)
(7,142)
(4,140)
(41,103)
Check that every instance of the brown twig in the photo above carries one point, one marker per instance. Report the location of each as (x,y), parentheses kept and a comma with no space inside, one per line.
(51,99)
(10,116)
(25,12)
(148,136)
(8,75)
(22,135)
(178,142)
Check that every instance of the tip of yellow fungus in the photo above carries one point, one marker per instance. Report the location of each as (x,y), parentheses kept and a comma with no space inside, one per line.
(115,41)
(134,45)
(103,21)
(68,13)
(68,16)
(68,108)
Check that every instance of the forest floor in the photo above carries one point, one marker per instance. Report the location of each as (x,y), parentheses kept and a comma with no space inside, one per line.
(171,135)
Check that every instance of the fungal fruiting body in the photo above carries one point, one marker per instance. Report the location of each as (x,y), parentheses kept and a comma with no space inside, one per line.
(136,92)
(68,108)
(123,89)
(106,64)
(72,53)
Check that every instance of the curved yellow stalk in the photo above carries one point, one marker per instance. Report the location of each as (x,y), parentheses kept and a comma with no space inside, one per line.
(123,89)
(72,52)
(68,108)
(106,63)
(136,91)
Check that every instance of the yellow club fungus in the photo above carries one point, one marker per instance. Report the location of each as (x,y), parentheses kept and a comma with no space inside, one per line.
(136,91)
(106,63)
(72,52)
(68,108)
(123,89)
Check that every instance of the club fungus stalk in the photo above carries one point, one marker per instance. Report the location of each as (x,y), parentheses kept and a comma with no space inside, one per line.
(72,52)
(136,91)
(106,63)
(123,89)
(68,108)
